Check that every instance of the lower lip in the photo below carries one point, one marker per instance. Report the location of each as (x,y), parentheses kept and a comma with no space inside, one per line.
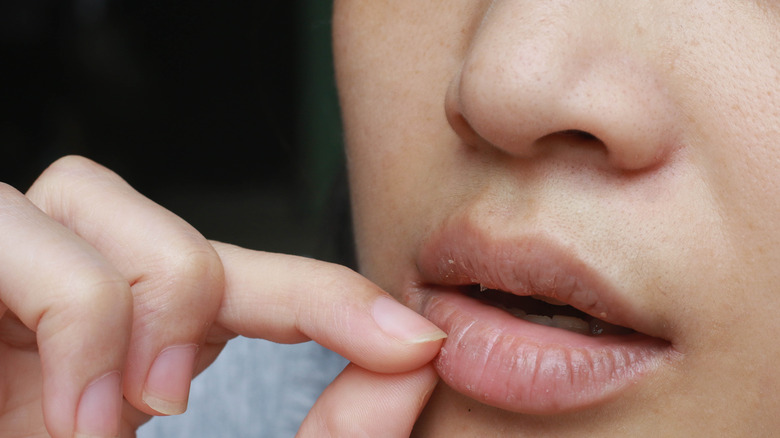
(520,366)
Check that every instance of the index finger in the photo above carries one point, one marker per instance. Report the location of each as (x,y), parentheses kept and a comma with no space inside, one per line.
(290,299)
(80,308)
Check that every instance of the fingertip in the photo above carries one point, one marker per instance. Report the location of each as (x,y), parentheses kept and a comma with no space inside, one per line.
(402,341)
(99,410)
(82,392)
(290,299)
(362,403)
(404,324)
(167,386)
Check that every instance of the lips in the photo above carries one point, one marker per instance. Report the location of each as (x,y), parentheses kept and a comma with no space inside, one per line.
(477,288)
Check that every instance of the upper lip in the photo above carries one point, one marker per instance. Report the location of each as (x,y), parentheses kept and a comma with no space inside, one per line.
(528,264)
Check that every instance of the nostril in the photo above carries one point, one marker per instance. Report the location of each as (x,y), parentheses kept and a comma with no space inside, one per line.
(573,143)
(579,135)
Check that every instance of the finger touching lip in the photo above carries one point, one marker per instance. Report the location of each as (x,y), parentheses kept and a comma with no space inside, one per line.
(531,328)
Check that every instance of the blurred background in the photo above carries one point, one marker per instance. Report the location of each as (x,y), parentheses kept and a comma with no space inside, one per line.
(224,113)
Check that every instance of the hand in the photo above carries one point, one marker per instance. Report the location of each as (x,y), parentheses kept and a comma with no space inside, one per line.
(292,299)
(109,295)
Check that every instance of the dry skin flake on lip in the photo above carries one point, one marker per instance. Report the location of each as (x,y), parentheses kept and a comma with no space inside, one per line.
(527,322)
(530,367)
(545,311)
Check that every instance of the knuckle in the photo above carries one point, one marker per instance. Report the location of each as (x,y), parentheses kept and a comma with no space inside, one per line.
(66,168)
(69,174)
(97,293)
(201,264)
(185,286)
(193,266)
(58,179)
(333,276)
(71,163)
(15,208)
(8,191)
(101,289)
(96,303)
(10,197)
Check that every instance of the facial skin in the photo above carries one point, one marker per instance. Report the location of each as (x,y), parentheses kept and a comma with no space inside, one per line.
(638,138)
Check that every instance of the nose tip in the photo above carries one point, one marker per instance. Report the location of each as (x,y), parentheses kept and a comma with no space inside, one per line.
(520,94)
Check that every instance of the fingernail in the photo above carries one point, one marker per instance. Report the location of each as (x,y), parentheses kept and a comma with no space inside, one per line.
(100,408)
(167,386)
(404,324)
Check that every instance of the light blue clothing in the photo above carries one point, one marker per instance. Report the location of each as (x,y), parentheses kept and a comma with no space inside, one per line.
(255,389)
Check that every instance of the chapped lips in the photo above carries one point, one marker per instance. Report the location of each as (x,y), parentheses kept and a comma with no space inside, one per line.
(509,273)
(531,327)
(545,311)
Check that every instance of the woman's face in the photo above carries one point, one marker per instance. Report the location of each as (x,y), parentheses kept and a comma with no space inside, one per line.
(620,158)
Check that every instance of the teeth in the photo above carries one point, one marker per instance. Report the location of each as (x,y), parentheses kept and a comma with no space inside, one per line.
(598,327)
(517,312)
(570,323)
(540,319)
(514,311)
(594,327)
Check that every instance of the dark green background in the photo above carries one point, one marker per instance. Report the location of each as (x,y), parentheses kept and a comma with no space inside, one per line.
(224,112)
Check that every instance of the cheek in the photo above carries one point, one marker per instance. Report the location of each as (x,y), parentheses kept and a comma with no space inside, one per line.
(400,188)
(392,94)
(738,157)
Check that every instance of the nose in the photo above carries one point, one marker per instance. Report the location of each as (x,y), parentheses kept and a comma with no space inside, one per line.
(566,76)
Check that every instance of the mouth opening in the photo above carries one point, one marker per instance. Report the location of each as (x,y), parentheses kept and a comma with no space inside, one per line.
(545,311)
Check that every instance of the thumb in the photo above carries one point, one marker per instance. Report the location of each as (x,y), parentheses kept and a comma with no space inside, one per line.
(360,403)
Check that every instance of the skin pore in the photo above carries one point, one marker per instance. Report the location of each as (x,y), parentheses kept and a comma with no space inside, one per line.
(638,139)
